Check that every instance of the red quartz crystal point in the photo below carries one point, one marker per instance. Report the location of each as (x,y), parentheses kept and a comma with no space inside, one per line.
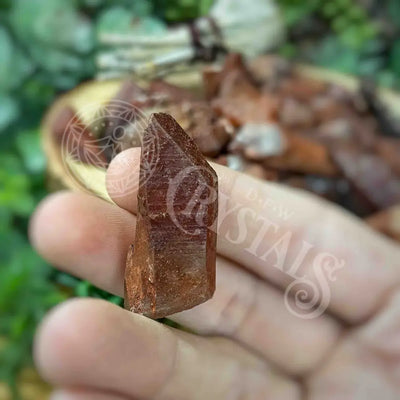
(171,266)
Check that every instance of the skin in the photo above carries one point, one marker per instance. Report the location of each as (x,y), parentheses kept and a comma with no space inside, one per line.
(247,344)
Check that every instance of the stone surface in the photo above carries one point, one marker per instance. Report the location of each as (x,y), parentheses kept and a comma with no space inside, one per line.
(267,119)
(295,114)
(303,155)
(238,163)
(171,266)
(211,81)
(241,104)
(269,70)
(389,150)
(258,141)
(162,89)
(325,108)
(199,121)
(370,174)
(239,99)
(301,88)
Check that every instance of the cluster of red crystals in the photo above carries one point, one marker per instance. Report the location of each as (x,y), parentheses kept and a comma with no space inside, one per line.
(195,115)
(305,156)
(266,119)
(171,266)
(370,175)
(389,150)
(238,98)
(322,133)
(171,93)
(210,134)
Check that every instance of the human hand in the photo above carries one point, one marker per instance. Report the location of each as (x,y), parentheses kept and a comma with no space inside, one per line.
(248,344)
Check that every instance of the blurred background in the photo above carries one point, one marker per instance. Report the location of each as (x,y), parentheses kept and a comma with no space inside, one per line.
(49,46)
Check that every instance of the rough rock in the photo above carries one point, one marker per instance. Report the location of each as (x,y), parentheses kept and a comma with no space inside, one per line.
(171,266)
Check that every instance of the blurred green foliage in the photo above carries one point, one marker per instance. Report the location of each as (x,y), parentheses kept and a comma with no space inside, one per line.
(47,46)
(26,290)
(181,10)
(359,37)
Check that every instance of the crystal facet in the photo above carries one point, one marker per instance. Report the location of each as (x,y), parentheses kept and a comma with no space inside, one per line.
(171,266)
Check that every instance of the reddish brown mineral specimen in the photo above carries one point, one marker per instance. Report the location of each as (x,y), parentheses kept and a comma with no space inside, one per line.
(370,175)
(199,121)
(389,150)
(305,155)
(211,81)
(302,89)
(239,100)
(171,266)
(171,92)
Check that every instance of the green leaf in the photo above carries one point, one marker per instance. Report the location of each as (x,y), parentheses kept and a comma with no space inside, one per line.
(28,145)
(9,111)
(15,194)
(295,11)
(387,78)
(5,4)
(205,6)
(330,9)
(5,219)
(59,39)
(82,290)
(14,66)
(394,11)
(181,10)
(124,20)
(394,58)
(26,294)
(340,23)
(288,50)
